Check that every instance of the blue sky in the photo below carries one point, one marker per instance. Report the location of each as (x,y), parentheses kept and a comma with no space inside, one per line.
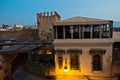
(24,11)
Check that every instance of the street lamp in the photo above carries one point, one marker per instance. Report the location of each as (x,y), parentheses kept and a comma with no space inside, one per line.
(65,69)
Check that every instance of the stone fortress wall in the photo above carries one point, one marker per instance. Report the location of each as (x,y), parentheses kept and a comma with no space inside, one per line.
(20,35)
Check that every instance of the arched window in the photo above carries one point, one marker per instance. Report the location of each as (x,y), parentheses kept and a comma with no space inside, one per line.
(97,65)
(60,60)
(74,62)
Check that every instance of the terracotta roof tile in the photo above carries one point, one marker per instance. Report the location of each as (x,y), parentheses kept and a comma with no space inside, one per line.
(81,19)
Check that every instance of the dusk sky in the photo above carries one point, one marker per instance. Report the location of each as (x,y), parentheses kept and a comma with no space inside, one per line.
(24,11)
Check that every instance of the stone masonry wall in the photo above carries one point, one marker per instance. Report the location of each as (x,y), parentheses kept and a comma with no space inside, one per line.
(20,35)
(45,22)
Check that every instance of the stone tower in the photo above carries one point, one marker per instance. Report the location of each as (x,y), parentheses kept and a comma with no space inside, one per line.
(45,22)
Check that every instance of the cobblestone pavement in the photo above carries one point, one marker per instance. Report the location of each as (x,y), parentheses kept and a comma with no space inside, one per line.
(21,74)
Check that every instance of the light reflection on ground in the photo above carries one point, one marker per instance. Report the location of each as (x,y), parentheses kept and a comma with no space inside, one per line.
(21,74)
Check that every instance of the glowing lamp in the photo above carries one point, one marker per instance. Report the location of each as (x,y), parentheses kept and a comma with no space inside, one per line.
(65,69)
(49,52)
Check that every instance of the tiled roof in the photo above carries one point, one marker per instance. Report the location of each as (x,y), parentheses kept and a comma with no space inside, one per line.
(7,53)
(22,47)
(81,19)
(8,39)
(11,48)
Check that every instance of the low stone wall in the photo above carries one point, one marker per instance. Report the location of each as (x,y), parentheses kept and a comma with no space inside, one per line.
(23,34)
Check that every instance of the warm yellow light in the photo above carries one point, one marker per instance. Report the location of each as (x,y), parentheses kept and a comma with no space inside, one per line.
(49,52)
(65,69)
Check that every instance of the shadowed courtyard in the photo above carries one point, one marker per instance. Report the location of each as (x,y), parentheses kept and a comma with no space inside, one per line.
(22,74)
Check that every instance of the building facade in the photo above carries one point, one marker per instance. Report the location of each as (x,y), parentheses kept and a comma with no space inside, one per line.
(84,47)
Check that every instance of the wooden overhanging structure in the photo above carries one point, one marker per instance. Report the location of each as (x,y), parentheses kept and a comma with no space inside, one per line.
(74,50)
(69,50)
(60,50)
(97,50)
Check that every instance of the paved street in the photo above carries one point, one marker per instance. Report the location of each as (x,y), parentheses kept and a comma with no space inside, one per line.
(21,74)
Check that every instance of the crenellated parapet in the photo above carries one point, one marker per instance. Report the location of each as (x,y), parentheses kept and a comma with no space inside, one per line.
(48,17)
(47,14)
